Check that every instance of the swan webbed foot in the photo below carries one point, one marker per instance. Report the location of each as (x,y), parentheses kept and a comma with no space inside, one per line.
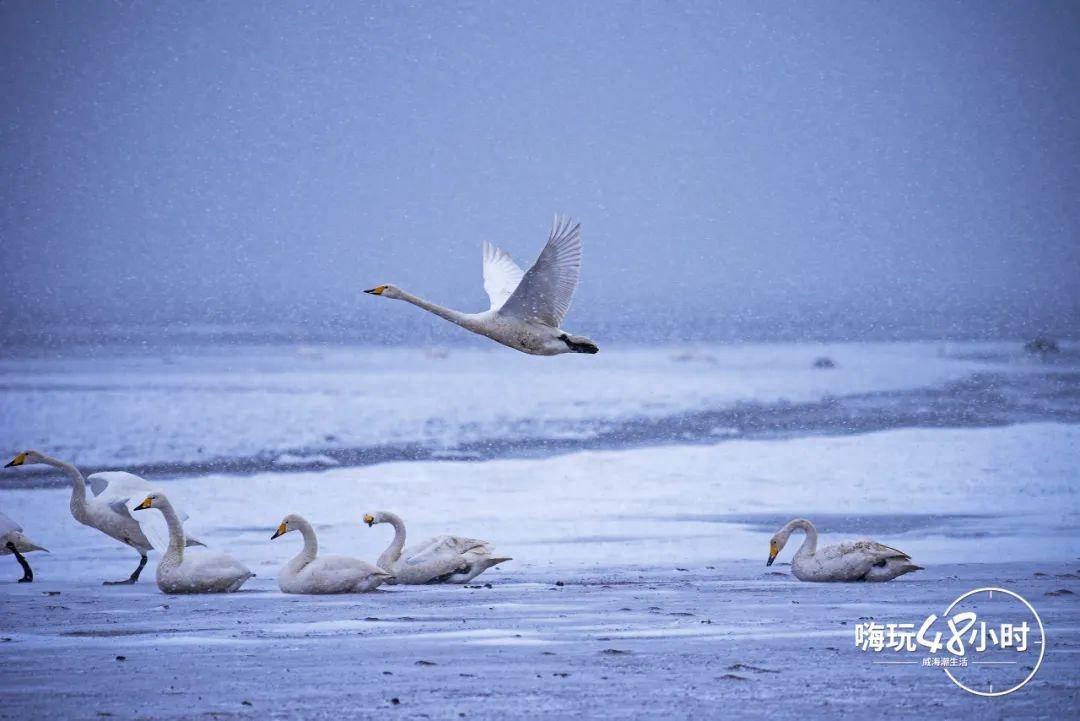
(28,574)
(134,574)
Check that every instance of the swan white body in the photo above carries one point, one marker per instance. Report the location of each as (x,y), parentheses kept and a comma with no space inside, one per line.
(849,561)
(195,571)
(309,572)
(14,542)
(526,308)
(106,508)
(442,559)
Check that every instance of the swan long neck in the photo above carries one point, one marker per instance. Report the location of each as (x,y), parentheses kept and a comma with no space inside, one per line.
(311,543)
(449,314)
(78,484)
(392,553)
(176,531)
(809,544)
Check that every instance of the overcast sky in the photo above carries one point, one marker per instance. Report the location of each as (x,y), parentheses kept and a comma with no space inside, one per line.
(831,167)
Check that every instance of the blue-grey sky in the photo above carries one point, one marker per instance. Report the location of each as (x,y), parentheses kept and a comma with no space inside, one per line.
(744,169)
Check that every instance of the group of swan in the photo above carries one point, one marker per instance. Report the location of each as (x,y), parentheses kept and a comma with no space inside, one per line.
(527,308)
(443,559)
(107,508)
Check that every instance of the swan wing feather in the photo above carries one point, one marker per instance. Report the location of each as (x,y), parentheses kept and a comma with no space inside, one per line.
(501,275)
(445,546)
(546,289)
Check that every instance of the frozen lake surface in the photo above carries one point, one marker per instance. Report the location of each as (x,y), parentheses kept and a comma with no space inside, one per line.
(647,485)
(726,641)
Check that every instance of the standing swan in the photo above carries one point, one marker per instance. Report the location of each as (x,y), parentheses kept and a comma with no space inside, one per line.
(198,572)
(849,561)
(13,542)
(107,509)
(311,573)
(442,559)
(526,308)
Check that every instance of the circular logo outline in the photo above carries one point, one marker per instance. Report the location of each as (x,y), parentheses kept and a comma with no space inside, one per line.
(1042,642)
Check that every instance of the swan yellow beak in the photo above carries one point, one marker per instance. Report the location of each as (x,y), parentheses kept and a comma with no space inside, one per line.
(147,503)
(279,532)
(370,520)
(17,460)
(773,550)
(377,290)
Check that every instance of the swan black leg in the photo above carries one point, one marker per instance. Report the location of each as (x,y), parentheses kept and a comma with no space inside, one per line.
(28,574)
(134,574)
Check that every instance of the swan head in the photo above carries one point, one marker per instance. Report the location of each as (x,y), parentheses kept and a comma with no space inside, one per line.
(776,543)
(154,500)
(372,519)
(26,458)
(289,523)
(780,538)
(386,291)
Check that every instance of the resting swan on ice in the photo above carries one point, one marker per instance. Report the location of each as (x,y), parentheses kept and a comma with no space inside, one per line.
(13,542)
(312,573)
(849,561)
(199,571)
(526,308)
(107,509)
(442,559)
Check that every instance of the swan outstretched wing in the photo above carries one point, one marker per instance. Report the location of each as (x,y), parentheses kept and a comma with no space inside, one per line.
(546,290)
(122,491)
(501,275)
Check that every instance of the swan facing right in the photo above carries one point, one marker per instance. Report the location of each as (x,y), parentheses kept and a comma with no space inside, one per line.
(849,561)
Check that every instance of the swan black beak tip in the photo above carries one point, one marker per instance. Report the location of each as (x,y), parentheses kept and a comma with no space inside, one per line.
(10,465)
(370,291)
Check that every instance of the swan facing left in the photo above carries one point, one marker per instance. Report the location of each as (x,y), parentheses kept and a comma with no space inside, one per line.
(527,308)
(14,542)
(106,506)
(848,561)
(309,572)
(199,571)
(441,559)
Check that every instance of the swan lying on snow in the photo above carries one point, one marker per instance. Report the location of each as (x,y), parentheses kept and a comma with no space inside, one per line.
(311,573)
(850,561)
(526,308)
(442,559)
(107,509)
(198,571)
(13,542)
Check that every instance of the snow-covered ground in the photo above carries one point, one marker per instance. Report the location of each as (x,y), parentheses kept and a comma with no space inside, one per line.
(124,407)
(638,585)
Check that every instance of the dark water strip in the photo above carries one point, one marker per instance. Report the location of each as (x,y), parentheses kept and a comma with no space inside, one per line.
(979,401)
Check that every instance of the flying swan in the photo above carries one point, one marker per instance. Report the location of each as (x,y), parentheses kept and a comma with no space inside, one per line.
(526,308)
(442,559)
(849,561)
(13,542)
(107,509)
(199,571)
(312,573)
